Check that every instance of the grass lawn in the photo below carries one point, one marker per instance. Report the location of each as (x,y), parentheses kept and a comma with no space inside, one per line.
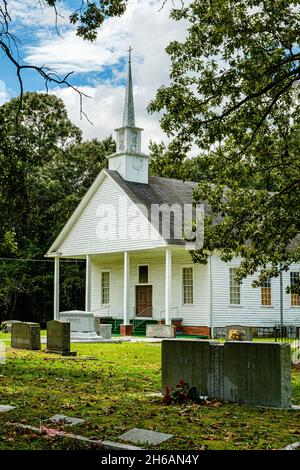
(113,392)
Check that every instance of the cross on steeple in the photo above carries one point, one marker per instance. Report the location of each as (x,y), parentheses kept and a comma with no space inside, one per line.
(129,54)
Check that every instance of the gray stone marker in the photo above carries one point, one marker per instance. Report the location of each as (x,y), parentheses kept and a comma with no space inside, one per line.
(143,435)
(257,373)
(239,333)
(69,420)
(26,336)
(83,326)
(4,408)
(187,360)
(102,329)
(9,324)
(245,372)
(58,338)
(160,331)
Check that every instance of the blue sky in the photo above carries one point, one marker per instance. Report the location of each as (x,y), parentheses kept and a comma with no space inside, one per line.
(99,67)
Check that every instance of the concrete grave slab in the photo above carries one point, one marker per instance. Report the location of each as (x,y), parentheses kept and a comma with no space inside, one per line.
(144,435)
(4,408)
(69,420)
(160,331)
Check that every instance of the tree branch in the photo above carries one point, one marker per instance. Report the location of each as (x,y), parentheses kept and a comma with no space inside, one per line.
(257,94)
(48,75)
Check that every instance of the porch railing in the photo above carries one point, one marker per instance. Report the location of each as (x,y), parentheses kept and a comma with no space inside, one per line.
(176,309)
(104,309)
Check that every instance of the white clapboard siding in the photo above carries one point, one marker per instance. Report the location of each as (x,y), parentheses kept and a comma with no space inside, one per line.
(250,312)
(192,315)
(83,237)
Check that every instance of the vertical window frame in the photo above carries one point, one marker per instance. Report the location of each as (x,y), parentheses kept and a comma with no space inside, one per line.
(192,285)
(264,296)
(104,271)
(293,302)
(230,287)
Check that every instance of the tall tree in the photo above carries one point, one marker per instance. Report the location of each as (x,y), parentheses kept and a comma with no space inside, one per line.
(233,94)
(45,169)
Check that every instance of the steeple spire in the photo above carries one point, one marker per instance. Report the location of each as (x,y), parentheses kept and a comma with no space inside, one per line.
(129,161)
(128,115)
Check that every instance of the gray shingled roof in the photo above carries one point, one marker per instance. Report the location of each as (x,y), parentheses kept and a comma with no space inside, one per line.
(158,191)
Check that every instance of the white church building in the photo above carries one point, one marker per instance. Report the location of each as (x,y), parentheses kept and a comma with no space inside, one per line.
(137,270)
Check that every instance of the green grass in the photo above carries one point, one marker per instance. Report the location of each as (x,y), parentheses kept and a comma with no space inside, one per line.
(113,393)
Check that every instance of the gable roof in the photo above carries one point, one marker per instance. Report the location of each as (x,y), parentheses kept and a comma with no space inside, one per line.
(158,191)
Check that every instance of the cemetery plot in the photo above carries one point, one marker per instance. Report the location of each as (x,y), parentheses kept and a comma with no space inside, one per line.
(119,392)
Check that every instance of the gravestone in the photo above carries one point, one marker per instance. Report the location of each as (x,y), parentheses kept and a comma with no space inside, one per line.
(248,373)
(103,330)
(82,325)
(26,336)
(68,420)
(160,331)
(8,325)
(257,373)
(188,360)
(144,435)
(239,333)
(58,338)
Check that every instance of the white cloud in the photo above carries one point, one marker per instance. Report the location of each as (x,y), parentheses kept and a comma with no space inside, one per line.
(148,31)
(4,93)
(37,14)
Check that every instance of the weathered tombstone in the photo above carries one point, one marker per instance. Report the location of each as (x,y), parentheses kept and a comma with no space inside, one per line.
(160,331)
(58,338)
(26,336)
(103,329)
(257,373)
(249,373)
(238,333)
(9,324)
(83,326)
(144,435)
(187,360)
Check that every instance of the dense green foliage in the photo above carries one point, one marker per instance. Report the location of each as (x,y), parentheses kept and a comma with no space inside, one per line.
(233,93)
(45,169)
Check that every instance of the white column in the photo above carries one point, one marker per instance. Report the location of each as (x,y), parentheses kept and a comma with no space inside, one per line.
(56,289)
(88,278)
(168,286)
(126,289)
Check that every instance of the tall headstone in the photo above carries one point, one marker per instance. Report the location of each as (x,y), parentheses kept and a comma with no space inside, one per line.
(257,373)
(245,372)
(186,360)
(58,338)
(26,336)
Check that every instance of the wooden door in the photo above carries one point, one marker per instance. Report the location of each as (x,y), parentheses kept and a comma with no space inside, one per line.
(143,301)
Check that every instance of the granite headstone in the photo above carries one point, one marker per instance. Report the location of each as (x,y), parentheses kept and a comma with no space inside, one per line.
(26,335)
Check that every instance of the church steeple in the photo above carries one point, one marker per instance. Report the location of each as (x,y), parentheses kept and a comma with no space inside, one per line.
(128,115)
(128,160)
